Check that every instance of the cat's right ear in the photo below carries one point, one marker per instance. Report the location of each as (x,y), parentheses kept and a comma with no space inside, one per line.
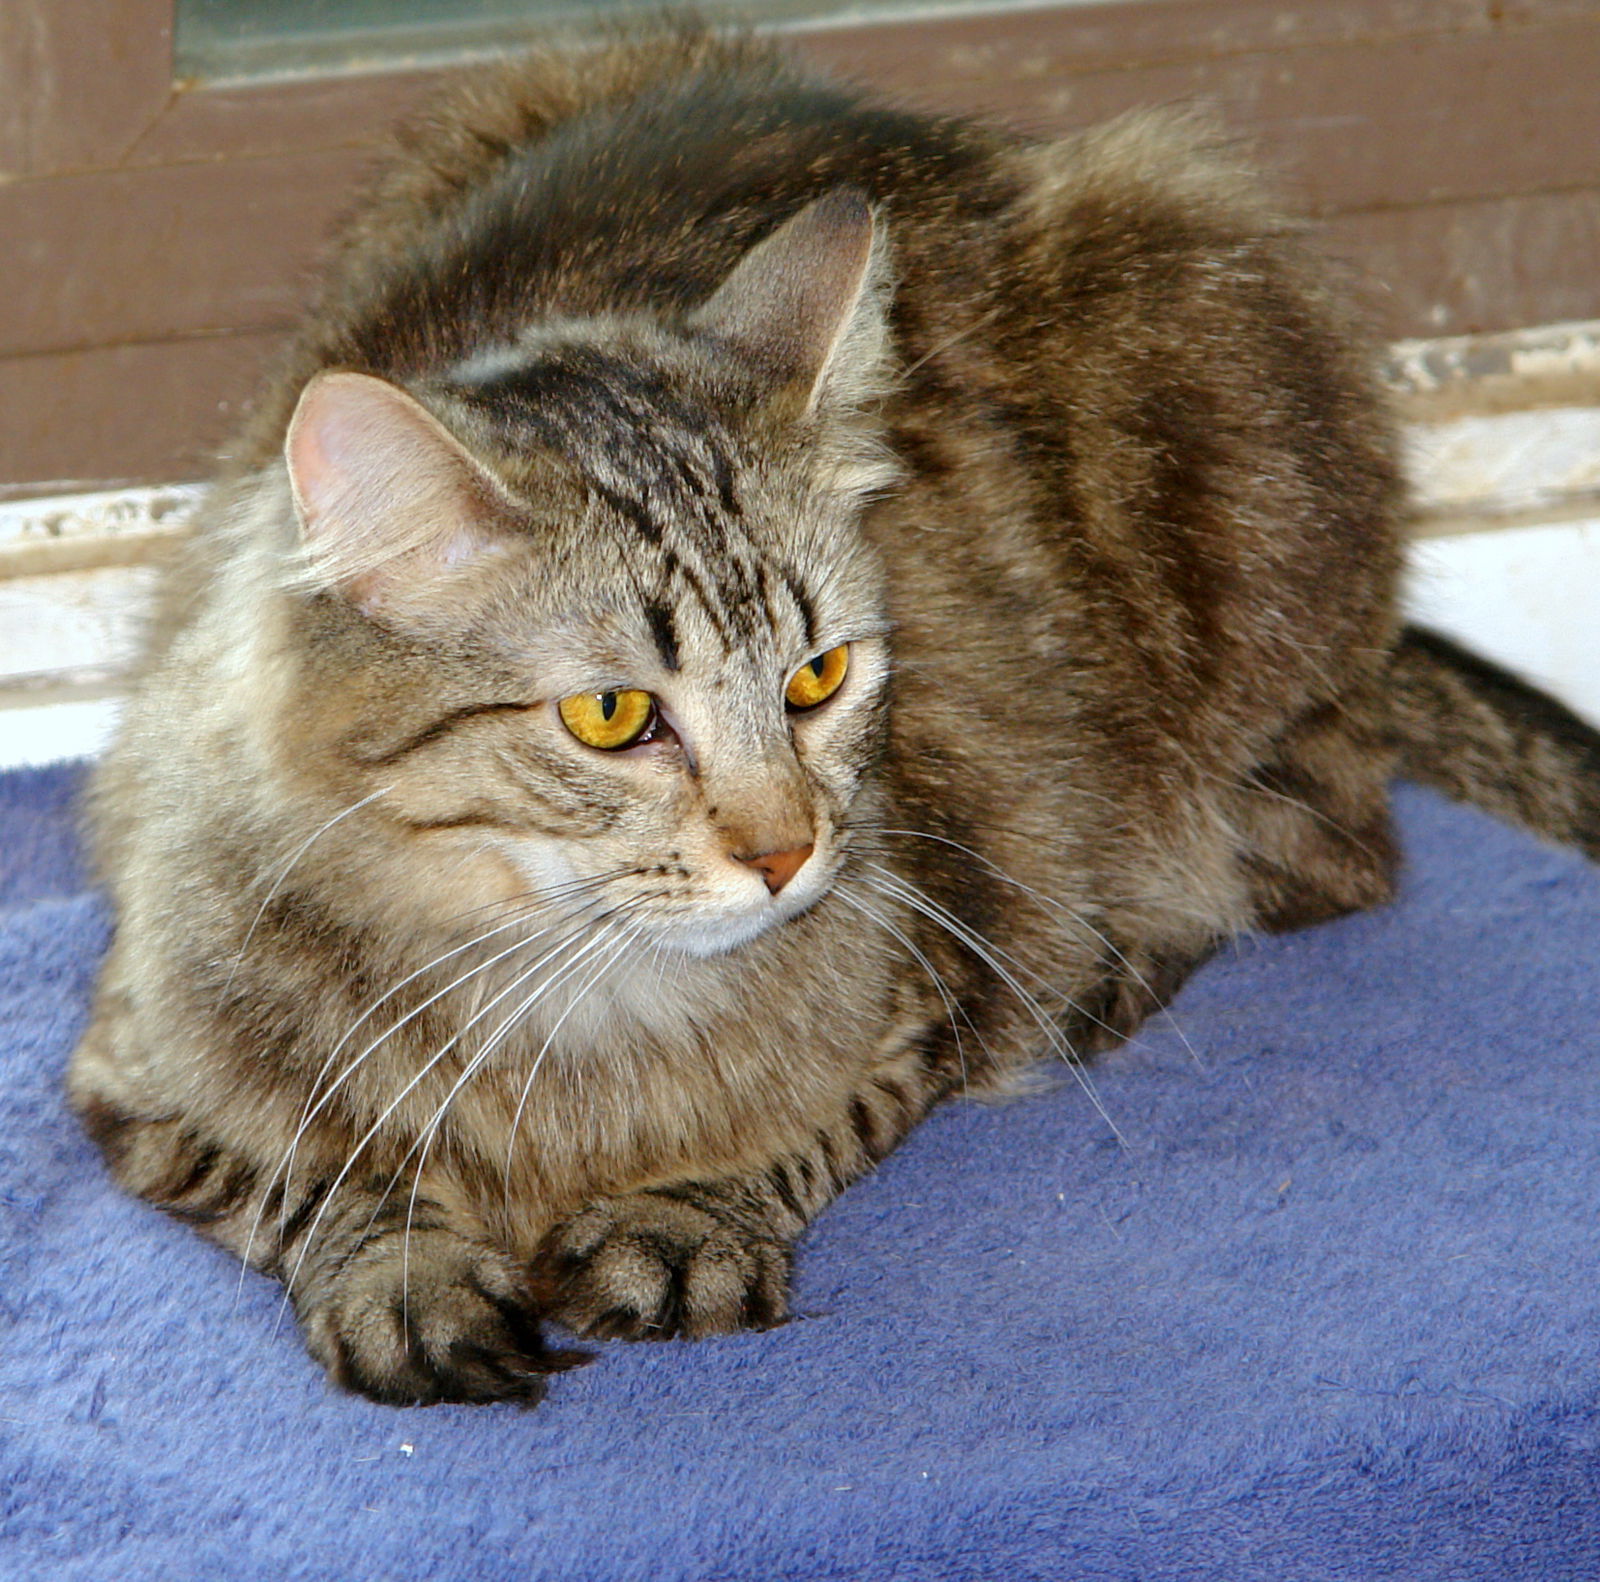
(391,505)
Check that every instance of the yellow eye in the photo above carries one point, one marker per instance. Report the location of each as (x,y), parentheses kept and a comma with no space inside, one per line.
(609,720)
(818,679)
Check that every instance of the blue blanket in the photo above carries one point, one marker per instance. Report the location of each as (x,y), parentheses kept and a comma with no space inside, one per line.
(1331,1311)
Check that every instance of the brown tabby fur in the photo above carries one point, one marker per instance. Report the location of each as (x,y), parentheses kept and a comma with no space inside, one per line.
(1068,442)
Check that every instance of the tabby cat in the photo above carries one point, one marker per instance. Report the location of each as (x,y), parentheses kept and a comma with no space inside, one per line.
(745,612)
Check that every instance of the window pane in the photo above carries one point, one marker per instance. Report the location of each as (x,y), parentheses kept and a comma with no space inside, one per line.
(250,38)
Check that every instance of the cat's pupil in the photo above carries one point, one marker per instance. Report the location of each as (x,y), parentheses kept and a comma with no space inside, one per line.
(608,704)
(817,666)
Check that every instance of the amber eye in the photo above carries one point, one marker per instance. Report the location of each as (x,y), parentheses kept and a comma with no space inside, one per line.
(818,679)
(609,720)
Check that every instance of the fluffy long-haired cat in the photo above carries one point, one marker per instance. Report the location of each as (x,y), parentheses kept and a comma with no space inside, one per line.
(746,612)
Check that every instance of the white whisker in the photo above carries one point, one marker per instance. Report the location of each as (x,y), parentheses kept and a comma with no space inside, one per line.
(425,1138)
(1072,915)
(316,1102)
(284,872)
(372,1131)
(950,1004)
(625,942)
(994,957)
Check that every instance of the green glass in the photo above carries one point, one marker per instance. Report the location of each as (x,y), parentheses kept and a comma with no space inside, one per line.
(225,39)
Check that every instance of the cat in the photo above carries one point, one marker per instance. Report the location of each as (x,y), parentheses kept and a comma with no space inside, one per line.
(746,611)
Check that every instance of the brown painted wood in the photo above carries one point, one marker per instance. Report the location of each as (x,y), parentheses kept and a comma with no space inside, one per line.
(252,121)
(157,121)
(165,250)
(116,256)
(993,61)
(80,80)
(1452,145)
(123,414)
(1008,50)
(1385,121)
(1468,268)
(1514,11)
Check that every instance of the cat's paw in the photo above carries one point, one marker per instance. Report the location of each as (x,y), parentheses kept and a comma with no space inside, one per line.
(449,1322)
(649,1265)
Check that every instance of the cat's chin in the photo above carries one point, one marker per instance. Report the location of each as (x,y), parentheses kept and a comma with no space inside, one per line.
(717,936)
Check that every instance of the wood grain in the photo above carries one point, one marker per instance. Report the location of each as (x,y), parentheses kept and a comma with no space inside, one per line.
(137,255)
(80,81)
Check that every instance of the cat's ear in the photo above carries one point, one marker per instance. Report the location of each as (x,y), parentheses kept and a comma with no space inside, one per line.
(807,306)
(391,504)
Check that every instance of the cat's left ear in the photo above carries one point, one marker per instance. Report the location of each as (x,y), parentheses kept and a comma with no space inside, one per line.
(808,305)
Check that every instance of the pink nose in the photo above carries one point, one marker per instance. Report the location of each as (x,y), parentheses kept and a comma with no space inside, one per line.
(778,867)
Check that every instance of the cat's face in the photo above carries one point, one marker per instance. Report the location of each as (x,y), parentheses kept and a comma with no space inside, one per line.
(607,625)
(706,728)
(658,690)
(705,668)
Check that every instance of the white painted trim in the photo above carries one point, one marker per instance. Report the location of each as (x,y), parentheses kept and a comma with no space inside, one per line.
(1527,597)
(47,733)
(107,514)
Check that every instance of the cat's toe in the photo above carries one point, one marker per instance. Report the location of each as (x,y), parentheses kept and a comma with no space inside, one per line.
(647,1266)
(460,1330)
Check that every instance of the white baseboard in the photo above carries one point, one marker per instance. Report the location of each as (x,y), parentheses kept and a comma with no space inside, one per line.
(47,733)
(1526,597)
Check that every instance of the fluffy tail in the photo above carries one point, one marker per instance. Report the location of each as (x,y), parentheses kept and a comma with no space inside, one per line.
(1478,734)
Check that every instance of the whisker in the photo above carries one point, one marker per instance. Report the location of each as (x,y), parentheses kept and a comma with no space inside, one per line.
(543,902)
(394,1104)
(552,893)
(605,966)
(994,957)
(1072,915)
(950,1004)
(980,323)
(1273,794)
(425,1138)
(316,1102)
(284,872)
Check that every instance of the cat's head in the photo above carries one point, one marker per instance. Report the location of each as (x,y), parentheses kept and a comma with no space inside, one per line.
(598,602)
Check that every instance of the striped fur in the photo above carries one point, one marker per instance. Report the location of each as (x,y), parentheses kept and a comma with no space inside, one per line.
(667,368)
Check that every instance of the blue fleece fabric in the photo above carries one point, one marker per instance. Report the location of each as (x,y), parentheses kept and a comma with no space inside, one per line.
(1330,1311)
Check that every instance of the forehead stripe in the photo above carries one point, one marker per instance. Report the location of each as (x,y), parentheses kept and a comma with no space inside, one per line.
(677,568)
(722,474)
(632,511)
(662,629)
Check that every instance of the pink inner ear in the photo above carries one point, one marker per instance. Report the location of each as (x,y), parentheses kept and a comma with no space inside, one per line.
(328,446)
(390,502)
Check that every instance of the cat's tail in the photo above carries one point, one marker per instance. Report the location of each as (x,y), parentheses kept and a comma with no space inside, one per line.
(1475,732)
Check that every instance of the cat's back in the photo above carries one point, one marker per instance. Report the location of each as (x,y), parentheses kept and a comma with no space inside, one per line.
(623,178)
(1111,354)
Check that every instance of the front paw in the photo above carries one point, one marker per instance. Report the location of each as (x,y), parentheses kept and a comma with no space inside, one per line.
(447,1322)
(654,1264)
